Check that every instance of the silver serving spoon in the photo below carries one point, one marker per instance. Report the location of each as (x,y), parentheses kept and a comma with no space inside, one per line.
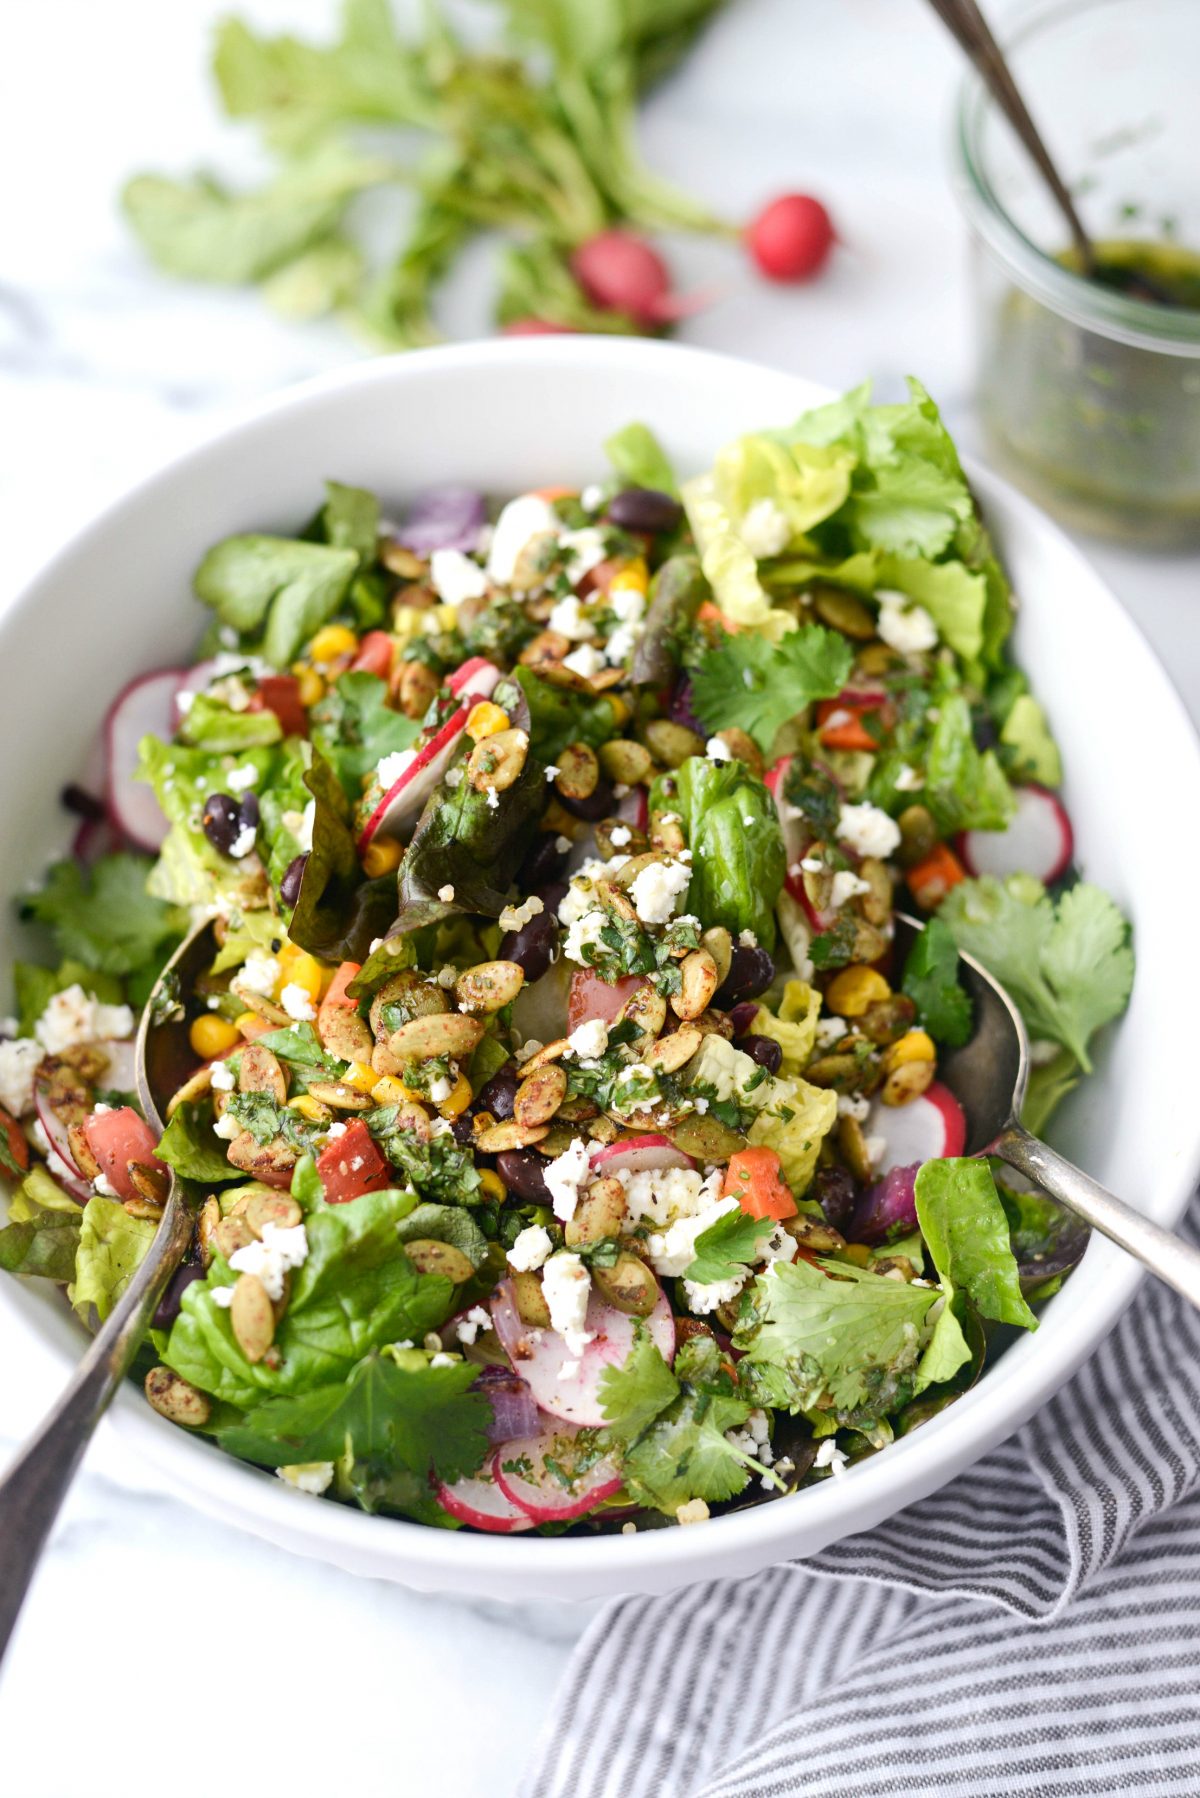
(35,1484)
(988,1077)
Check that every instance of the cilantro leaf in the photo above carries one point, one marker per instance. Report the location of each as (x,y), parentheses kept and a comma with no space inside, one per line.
(833,1329)
(964,789)
(726,1246)
(640,459)
(190,1147)
(395,1412)
(759,686)
(931,982)
(963,1222)
(104,917)
(354,727)
(275,585)
(633,1394)
(1068,966)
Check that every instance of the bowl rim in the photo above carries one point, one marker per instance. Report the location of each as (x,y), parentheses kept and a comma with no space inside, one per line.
(655,1559)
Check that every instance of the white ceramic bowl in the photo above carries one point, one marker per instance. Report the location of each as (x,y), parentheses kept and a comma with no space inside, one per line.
(511,415)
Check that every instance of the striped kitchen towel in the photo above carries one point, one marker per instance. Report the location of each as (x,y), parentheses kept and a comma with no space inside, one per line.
(1033,1628)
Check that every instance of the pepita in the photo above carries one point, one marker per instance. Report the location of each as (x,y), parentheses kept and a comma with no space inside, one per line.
(149,1182)
(339,1096)
(539,1095)
(530,1301)
(343,1033)
(844,611)
(698,981)
(81,1153)
(626,761)
(415,686)
(251,1317)
(206,1222)
(599,1213)
(544,650)
(412,994)
(489,986)
(278,1208)
(177,1399)
(229,1234)
(450,1033)
(270,1162)
(628,1284)
(432,1257)
(496,763)
(191,1090)
(508,1134)
(670,743)
(578,771)
(670,1053)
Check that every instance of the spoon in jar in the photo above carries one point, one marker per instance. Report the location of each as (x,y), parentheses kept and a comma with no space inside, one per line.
(988,1077)
(33,1487)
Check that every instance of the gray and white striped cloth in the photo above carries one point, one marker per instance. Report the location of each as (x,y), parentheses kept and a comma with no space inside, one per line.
(1033,1628)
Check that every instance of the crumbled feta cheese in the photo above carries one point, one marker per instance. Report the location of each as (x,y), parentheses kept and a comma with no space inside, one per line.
(628,604)
(830,1455)
(695,1510)
(244,841)
(279,1249)
(227,1127)
(297,1003)
(584,661)
(621,644)
(585,549)
(493,799)
(553,771)
(673,1250)
(661,1195)
(300,825)
(455,778)
(238,779)
(904,627)
(515,917)
(18,1063)
(718,751)
(567,619)
(566,1287)
(456,577)
(619,835)
(564,1176)
(440,1089)
(907,780)
(74,1016)
(336,1130)
(592,497)
(260,974)
(441,1359)
(747,940)
(657,888)
(446,894)
(876,1147)
(829,1030)
(222,1076)
(765,529)
(522,518)
(531,1249)
(590,1039)
(185,699)
(104,1187)
(467,1328)
(846,886)
(582,933)
(313,1477)
(853,1105)
(868,830)
(389,769)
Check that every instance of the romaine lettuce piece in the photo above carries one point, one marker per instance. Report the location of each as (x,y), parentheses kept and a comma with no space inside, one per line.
(732,830)
(112,1246)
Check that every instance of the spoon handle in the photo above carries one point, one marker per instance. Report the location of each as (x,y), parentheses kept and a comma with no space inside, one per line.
(1165,1254)
(35,1484)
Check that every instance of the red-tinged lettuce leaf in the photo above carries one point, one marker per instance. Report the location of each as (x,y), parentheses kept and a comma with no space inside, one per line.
(338,914)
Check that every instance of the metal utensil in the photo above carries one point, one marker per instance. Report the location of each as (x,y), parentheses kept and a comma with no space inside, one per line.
(988,1077)
(34,1486)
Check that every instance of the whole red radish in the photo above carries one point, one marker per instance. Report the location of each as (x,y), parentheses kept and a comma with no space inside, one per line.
(791,238)
(622,273)
(536,327)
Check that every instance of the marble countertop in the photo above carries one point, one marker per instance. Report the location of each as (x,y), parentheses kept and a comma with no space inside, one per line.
(148,1615)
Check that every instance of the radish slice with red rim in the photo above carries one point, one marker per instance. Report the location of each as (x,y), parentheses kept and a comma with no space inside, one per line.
(552,1476)
(1038,840)
(566,1385)
(146,707)
(929,1128)
(402,804)
(480,1502)
(649,1154)
(61,1162)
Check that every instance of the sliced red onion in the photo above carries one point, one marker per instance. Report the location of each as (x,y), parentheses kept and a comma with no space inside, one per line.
(444,518)
(889,1208)
(681,708)
(514,1408)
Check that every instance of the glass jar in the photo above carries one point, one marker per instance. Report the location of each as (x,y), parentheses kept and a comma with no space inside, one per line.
(1089,398)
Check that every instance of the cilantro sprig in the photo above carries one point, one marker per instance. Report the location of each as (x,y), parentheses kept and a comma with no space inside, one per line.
(759,686)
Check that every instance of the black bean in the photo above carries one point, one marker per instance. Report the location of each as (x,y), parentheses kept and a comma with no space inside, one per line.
(751,972)
(219,820)
(836,1193)
(248,812)
(172,1298)
(742,1015)
(462,1128)
(762,1049)
(523,1173)
(498,1093)
(293,874)
(84,804)
(598,804)
(983,731)
(544,861)
(644,509)
(532,947)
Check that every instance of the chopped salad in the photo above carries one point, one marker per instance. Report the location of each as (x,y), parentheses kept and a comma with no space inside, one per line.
(563,1122)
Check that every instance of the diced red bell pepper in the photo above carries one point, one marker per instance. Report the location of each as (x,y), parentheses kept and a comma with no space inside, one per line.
(280,693)
(351,1165)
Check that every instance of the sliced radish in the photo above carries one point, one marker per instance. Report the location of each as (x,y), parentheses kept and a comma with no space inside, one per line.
(480,1502)
(196,680)
(634,808)
(591,996)
(118,1137)
(61,1162)
(648,1154)
(928,1128)
(535,1474)
(121,1073)
(567,1385)
(402,804)
(146,707)
(1038,839)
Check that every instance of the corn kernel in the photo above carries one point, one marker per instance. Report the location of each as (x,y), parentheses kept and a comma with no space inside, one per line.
(622,710)
(332,642)
(857,1254)
(361,1077)
(305,972)
(855,990)
(381,856)
(445,618)
(492,1186)
(459,1099)
(248,1023)
(309,686)
(633,577)
(211,1036)
(389,1091)
(485,719)
(308,1107)
(914,1045)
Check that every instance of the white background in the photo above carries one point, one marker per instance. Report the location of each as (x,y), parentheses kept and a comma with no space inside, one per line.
(160,1650)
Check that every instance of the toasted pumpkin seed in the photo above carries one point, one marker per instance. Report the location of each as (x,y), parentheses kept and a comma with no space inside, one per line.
(648,1010)
(603,1129)
(508,1134)
(578,771)
(706,1138)
(278,1208)
(853,1147)
(431,1257)
(151,1209)
(400,560)
(719,944)
(671,1052)
(844,611)
(548,1052)
(610,897)
(577,1111)
(907,1082)
(489,986)
(343,1033)
(176,1398)
(839,1072)
(413,994)
(632,841)
(544,650)
(539,1095)
(822,1238)
(743,748)
(450,1033)
(698,981)
(599,1213)
(415,685)
(666,833)
(191,1090)
(626,761)
(494,764)
(339,1096)
(556,1139)
(876,902)
(627,873)
(251,1317)
(81,1153)
(628,1284)
(261,1007)
(530,1301)
(894,1267)
(269,1162)
(206,1222)
(671,743)
(260,1072)
(918,835)
(149,1182)
(229,1234)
